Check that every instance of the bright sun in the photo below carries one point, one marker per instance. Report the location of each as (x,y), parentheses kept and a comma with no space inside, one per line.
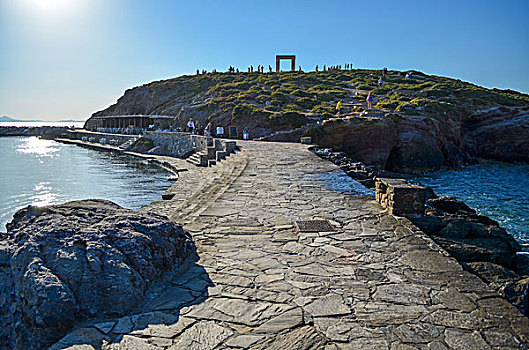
(53,7)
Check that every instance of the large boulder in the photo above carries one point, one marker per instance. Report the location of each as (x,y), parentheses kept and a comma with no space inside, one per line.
(363,139)
(83,259)
(449,205)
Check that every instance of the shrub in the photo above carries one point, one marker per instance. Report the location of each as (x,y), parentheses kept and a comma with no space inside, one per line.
(306,102)
(324,107)
(291,118)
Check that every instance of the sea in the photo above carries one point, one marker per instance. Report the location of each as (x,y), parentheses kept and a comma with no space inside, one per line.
(44,172)
(494,189)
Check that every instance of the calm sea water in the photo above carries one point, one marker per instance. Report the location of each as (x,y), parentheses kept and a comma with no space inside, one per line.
(43,172)
(34,124)
(497,190)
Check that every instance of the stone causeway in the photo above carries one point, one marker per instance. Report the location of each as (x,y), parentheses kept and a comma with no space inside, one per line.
(261,281)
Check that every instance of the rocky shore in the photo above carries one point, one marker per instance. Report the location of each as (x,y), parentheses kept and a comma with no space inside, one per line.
(45,131)
(478,242)
(65,264)
(366,279)
(481,245)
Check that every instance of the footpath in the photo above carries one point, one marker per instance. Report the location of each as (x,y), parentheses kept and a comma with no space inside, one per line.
(355,279)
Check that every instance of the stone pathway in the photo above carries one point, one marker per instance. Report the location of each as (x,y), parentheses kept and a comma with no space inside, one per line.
(374,282)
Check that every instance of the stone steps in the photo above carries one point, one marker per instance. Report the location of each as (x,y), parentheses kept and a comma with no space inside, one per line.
(225,173)
(215,152)
(199,159)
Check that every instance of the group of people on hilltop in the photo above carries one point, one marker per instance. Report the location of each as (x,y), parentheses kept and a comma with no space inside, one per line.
(196,128)
(347,66)
(261,68)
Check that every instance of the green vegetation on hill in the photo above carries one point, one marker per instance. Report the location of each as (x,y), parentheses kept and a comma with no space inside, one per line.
(271,100)
(318,92)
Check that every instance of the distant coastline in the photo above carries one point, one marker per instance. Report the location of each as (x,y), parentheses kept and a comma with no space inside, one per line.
(39,124)
(6,119)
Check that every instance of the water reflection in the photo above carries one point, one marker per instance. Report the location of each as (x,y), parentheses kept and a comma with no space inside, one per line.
(39,147)
(44,172)
(43,195)
(340,182)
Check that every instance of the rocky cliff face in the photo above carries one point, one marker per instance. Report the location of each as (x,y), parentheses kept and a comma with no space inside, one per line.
(419,143)
(64,264)
(416,125)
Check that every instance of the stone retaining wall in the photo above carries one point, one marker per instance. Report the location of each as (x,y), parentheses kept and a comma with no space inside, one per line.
(180,144)
(177,144)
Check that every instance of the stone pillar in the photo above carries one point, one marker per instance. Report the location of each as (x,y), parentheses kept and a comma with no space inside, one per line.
(218,145)
(212,153)
(221,155)
(400,197)
(231,146)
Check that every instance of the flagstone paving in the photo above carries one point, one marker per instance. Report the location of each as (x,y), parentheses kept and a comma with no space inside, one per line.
(375,282)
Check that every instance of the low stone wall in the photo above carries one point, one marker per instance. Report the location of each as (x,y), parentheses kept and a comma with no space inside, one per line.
(116,139)
(32,131)
(400,197)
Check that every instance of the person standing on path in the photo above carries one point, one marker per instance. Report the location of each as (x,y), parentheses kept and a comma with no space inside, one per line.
(369,100)
(191,125)
(207,130)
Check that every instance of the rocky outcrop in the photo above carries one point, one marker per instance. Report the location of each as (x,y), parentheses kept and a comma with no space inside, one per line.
(481,245)
(498,135)
(419,144)
(64,264)
(46,131)
(417,125)
(368,141)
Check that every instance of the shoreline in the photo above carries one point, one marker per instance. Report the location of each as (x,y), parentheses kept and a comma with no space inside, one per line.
(172,170)
(519,263)
(370,269)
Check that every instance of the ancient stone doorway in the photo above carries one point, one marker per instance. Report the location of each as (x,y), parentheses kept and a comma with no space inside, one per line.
(292,59)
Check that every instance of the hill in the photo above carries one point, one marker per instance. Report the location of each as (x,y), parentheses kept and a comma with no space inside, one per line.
(416,124)
(5,118)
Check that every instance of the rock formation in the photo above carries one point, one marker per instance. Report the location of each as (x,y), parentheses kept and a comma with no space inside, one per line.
(481,245)
(417,125)
(44,131)
(64,264)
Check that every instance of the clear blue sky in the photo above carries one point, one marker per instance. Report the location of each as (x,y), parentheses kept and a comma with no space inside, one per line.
(62,59)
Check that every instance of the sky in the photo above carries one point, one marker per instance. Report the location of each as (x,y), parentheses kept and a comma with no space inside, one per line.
(66,59)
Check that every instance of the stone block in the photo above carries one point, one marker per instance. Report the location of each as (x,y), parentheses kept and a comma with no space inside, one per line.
(203,160)
(218,145)
(221,155)
(168,196)
(306,140)
(400,197)
(231,146)
(212,153)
